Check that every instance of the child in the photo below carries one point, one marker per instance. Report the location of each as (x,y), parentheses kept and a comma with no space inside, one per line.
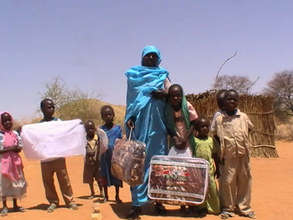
(96,146)
(113,132)
(232,127)
(55,165)
(180,116)
(12,181)
(206,149)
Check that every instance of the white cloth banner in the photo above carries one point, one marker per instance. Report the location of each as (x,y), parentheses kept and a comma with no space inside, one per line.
(53,139)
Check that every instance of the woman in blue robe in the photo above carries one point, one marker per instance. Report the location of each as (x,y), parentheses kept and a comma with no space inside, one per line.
(147,87)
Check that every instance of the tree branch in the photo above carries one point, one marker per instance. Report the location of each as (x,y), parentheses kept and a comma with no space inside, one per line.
(227,60)
(253,83)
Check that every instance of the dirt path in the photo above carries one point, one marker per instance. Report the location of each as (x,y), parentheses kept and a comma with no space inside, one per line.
(272,195)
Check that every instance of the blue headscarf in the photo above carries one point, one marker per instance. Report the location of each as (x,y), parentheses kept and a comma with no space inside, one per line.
(151,49)
(142,80)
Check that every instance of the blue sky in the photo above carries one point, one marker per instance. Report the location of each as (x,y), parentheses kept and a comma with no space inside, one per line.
(90,44)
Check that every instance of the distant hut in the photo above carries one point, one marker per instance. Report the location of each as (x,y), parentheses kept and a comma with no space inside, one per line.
(260,111)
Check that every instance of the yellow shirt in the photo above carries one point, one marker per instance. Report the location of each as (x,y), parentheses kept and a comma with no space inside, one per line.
(92,143)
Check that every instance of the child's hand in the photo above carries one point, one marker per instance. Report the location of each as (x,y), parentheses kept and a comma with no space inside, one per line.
(179,142)
(16,149)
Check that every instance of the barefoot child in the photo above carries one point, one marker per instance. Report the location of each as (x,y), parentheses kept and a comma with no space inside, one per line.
(113,132)
(12,182)
(231,128)
(206,149)
(95,148)
(180,117)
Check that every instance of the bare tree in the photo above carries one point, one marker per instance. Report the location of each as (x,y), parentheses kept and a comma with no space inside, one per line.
(281,88)
(70,103)
(242,84)
(57,91)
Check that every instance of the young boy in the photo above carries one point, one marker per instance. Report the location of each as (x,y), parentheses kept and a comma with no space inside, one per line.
(232,127)
(52,165)
(95,148)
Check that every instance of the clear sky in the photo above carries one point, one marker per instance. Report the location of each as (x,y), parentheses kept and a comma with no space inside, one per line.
(90,44)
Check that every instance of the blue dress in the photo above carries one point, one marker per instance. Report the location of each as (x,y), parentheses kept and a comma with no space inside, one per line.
(113,133)
(148,115)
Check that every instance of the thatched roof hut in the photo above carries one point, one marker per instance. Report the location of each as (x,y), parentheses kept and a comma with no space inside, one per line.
(258,108)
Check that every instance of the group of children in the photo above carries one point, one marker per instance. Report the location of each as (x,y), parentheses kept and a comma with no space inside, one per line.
(99,151)
(97,164)
(227,153)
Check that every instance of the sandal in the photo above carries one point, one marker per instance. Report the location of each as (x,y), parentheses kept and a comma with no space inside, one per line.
(226,215)
(4,211)
(105,199)
(72,206)
(51,207)
(250,214)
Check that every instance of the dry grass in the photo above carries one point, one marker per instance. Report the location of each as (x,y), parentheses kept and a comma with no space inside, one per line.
(284,131)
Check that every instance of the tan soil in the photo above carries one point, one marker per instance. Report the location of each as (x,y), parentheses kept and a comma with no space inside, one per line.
(272,195)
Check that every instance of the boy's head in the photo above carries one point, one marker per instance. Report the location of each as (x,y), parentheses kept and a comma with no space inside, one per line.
(202,127)
(6,121)
(47,107)
(90,128)
(221,98)
(175,94)
(107,114)
(231,100)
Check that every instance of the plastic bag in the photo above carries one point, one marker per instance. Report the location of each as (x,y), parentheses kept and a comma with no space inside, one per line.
(128,161)
(178,180)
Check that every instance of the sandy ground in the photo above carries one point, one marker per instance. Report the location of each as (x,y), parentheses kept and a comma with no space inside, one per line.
(272,195)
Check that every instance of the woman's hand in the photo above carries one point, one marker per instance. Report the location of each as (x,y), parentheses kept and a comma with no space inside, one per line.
(130,123)
(159,94)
